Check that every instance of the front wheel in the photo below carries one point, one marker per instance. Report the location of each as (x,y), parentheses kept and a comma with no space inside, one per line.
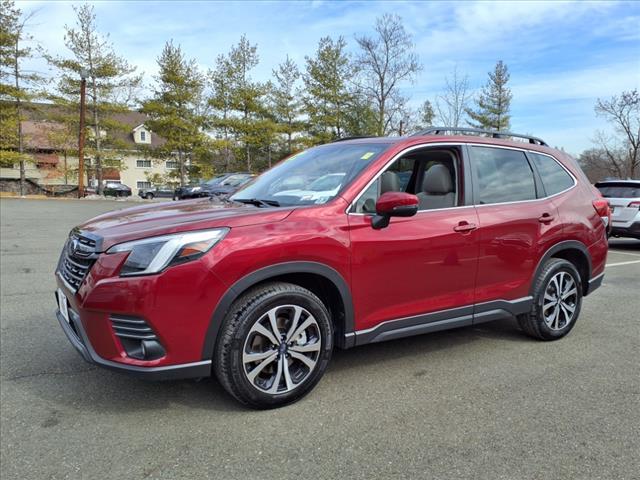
(557,298)
(274,345)
(149,196)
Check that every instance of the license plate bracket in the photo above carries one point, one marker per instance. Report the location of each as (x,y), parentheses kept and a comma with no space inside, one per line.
(63,305)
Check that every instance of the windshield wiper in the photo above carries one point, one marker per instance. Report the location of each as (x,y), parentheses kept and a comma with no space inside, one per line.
(258,202)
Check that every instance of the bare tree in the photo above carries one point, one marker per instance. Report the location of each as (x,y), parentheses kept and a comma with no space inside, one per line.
(621,152)
(387,59)
(451,106)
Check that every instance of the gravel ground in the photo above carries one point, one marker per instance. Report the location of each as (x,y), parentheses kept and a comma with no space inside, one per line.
(484,402)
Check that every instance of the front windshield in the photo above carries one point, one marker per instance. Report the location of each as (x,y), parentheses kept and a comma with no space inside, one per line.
(312,176)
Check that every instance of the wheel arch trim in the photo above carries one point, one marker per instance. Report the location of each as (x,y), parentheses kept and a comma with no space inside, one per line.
(560,247)
(273,271)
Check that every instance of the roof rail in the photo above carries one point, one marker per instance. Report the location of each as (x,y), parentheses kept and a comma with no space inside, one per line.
(353,138)
(478,131)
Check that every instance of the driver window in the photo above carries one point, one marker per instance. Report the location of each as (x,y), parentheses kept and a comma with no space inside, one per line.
(429,174)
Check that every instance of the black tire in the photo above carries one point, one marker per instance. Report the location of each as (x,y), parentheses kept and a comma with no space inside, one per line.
(534,323)
(149,196)
(238,330)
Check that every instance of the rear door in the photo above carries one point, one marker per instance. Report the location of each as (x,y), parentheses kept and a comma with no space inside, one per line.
(516,226)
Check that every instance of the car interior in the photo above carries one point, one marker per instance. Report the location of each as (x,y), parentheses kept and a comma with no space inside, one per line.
(430,174)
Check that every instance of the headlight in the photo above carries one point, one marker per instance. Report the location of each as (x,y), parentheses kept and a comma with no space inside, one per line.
(196,189)
(151,255)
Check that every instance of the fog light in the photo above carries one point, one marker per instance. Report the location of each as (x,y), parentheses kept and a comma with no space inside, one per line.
(151,350)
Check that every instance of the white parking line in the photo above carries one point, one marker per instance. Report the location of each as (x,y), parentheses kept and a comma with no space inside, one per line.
(624,253)
(621,263)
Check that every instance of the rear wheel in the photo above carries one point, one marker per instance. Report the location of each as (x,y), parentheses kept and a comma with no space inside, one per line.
(149,196)
(274,345)
(556,303)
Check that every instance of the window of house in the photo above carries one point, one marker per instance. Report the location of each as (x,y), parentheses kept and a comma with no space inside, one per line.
(172,164)
(142,185)
(143,163)
(503,175)
(554,178)
(143,136)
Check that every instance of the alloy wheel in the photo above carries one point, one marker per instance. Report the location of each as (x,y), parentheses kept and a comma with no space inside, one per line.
(281,349)
(560,301)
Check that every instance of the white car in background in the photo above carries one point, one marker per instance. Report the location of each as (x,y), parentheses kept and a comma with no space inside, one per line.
(319,190)
(624,199)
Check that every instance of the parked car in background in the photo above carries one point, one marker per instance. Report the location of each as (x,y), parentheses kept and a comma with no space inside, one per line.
(157,192)
(117,190)
(424,233)
(624,200)
(218,185)
(194,190)
(228,185)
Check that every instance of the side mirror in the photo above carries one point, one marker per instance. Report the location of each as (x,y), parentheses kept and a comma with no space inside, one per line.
(393,204)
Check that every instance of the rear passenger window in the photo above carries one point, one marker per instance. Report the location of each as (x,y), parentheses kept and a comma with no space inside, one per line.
(554,178)
(503,175)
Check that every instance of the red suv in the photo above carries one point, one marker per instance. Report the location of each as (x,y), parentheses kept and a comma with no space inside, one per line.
(358,241)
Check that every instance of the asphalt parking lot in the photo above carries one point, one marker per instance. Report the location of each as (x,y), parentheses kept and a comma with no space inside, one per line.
(483,402)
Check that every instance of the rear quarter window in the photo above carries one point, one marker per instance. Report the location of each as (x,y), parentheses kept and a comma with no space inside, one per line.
(554,178)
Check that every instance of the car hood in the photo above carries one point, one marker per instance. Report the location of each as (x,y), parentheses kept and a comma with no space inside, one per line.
(172,217)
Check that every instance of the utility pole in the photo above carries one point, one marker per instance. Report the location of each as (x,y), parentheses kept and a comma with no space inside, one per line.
(19,116)
(83,89)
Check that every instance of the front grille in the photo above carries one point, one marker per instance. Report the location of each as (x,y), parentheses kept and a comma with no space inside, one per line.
(77,257)
(133,328)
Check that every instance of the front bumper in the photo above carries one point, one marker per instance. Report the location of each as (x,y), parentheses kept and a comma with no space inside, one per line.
(76,334)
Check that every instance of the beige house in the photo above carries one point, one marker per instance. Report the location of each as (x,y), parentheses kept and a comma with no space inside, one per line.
(51,165)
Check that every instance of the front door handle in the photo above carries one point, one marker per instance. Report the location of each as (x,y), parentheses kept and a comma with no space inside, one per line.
(546,218)
(464,227)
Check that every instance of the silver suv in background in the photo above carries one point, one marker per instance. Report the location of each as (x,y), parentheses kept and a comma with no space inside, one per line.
(624,199)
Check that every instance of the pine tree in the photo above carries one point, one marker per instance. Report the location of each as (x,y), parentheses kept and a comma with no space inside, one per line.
(111,82)
(247,99)
(286,100)
(175,110)
(220,101)
(426,114)
(17,86)
(493,103)
(328,95)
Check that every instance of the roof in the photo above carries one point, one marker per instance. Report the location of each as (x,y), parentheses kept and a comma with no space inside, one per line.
(40,135)
(39,127)
(618,182)
(419,140)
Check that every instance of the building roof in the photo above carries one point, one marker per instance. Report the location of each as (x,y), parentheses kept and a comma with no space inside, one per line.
(41,135)
(40,127)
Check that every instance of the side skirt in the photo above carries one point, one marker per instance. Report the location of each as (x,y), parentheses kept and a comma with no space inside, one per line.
(442,320)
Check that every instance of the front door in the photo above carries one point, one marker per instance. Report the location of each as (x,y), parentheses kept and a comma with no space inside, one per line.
(408,273)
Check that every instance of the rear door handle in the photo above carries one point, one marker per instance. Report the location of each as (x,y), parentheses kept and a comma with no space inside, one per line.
(464,227)
(546,218)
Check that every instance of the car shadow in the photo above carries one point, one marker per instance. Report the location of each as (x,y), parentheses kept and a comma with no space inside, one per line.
(93,389)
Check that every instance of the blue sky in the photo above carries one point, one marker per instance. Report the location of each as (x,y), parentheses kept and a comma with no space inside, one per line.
(562,55)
